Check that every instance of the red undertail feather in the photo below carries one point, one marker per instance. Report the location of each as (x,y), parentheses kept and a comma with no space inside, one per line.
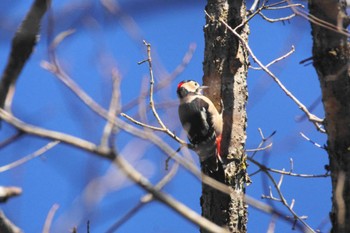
(218,145)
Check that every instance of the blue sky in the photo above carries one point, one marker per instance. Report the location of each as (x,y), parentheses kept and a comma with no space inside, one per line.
(66,176)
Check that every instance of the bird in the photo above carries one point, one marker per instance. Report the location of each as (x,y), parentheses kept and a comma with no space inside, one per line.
(202,123)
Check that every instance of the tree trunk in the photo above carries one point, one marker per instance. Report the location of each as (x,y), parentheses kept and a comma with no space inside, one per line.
(225,70)
(331,61)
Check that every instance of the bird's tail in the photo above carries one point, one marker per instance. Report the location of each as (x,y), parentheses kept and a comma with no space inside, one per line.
(209,153)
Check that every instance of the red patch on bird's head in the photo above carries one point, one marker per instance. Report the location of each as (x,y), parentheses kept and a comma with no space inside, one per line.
(180,84)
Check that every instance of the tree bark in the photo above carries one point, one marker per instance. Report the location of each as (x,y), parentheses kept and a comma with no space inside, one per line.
(331,54)
(225,70)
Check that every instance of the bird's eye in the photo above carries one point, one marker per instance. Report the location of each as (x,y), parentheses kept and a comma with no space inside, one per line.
(196,84)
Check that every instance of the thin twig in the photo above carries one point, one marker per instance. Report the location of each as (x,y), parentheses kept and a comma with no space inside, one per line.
(31,156)
(274,6)
(11,139)
(285,203)
(275,3)
(50,134)
(259,148)
(144,200)
(142,124)
(272,224)
(277,59)
(312,142)
(319,22)
(92,148)
(162,127)
(281,198)
(49,218)
(151,100)
(271,7)
(166,80)
(166,199)
(282,172)
(254,6)
(54,67)
(312,118)
(114,108)
(277,19)
(263,140)
(278,184)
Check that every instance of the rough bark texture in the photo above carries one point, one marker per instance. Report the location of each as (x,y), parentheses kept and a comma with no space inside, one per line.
(225,70)
(331,60)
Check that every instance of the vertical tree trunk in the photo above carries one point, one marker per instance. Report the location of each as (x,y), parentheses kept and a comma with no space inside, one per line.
(225,70)
(331,61)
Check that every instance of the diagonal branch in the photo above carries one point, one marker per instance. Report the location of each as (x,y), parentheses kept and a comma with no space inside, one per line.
(23,43)
(312,118)
(33,155)
(171,202)
(145,199)
(54,135)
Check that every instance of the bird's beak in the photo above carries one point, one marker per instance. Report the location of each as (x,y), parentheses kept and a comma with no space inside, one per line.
(204,87)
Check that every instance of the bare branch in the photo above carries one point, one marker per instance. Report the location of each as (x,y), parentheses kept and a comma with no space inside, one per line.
(263,140)
(144,200)
(272,225)
(291,165)
(320,22)
(90,147)
(259,148)
(22,46)
(53,135)
(31,156)
(274,7)
(167,80)
(168,200)
(114,108)
(281,198)
(312,142)
(254,6)
(151,101)
(49,218)
(277,59)
(312,118)
(162,127)
(278,19)
(11,139)
(279,184)
(142,124)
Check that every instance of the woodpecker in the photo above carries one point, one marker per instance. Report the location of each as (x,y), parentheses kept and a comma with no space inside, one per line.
(202,122)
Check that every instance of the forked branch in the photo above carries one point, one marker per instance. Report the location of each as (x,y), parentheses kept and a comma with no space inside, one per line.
(312,118)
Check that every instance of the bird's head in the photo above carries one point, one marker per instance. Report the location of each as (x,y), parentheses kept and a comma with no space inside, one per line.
(187,87)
